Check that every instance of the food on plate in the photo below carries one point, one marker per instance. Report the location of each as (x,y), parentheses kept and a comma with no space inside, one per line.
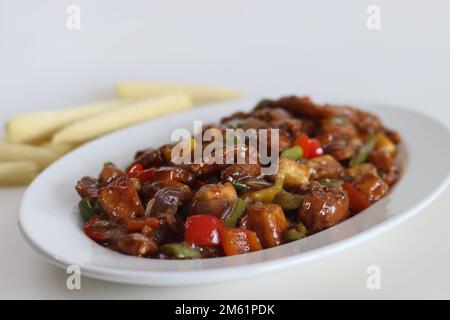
(333,162)
(200,94)
(15,173)
(133,113)
(39,126)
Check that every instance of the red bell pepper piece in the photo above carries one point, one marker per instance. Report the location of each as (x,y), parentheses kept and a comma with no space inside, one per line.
(146,175)
(303,142)
(311,147)
(315,150)
(135,170)
(203,230)
(358,200)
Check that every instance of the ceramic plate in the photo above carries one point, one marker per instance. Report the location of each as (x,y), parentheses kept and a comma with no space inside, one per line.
(50,221)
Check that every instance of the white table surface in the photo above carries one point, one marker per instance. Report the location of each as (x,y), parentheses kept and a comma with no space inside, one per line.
(321,48)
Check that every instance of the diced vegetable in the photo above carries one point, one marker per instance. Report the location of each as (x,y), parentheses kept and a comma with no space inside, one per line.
(315,150)
(236,212)
(296,233)
(294,174)
(255,183)
(135,170)
(358,201)
(303,142)
(361,169)
(383,142)
(239,241)
(88,210)
(180,251)
(203,230)
(264,103)
(145,175)
(149,207)
(218,191)
(293,153)
(239,186)
(209,207)
(136,225)
(288,201)
(364,152)
(311,147)
(267,195)
(331,183)
(136,183)
(213,199)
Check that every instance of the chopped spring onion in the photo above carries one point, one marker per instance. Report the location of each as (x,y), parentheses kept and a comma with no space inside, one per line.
(180,251)
(264,103)
(331,183)
(88,210)
(296,233)
(239,186)
(237,211)
(364,152)
(288,201)
(293,153)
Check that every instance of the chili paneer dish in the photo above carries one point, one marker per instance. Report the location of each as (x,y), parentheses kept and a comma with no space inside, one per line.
(335,161)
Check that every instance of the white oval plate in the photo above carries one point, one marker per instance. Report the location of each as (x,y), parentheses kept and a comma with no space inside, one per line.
(51,224)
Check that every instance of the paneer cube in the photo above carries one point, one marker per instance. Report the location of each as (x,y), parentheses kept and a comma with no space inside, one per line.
(295,174)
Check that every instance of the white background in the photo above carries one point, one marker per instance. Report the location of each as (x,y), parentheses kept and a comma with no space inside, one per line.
(265,48)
